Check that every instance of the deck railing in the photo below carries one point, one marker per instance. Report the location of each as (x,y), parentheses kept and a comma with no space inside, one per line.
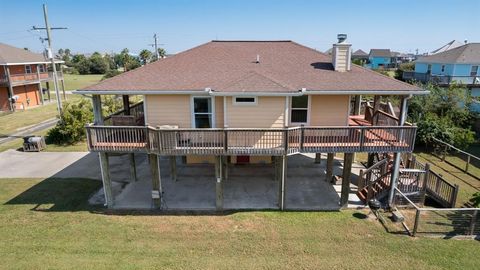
(21,78)
(440,79)
(250,141)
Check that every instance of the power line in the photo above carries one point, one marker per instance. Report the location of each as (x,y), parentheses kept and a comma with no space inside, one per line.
(50,54)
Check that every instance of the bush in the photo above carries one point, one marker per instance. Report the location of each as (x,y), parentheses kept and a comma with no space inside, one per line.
(476,199)
(111,73)
(71,128)
(410,66)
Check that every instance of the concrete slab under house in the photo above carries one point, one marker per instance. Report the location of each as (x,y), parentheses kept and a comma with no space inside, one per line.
(251,125)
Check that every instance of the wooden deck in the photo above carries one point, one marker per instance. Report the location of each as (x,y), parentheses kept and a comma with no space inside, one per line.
(274,142)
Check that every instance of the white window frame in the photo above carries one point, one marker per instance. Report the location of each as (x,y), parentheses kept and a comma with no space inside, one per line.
(308,109)
(254,103)
(30,68)
(192,110)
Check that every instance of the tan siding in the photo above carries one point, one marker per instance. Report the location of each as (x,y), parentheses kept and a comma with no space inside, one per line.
(329,110)
(269,112)
(219,112)
(168,110)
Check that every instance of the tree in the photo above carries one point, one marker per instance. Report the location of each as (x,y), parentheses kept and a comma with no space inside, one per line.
(443,114)
(71,128)
(161,53)
(97,64)
(145,56)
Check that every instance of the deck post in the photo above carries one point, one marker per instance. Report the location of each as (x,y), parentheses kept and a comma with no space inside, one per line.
(370,159)
(357,105)
(41,93)
(347,171)
(133,168)
(281,184)
(126,104)
(97,110)
(394,177)
(376,108)
(48,91)
(225,167)
(219,183)
(329,173)
(173,168)
(106,180)
(318,158)
(10,88)
(156,180)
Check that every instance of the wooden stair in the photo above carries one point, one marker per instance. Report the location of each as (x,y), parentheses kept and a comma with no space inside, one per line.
(379,189)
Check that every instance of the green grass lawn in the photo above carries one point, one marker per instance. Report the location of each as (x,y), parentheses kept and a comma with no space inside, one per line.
(17,144)
(74,82)
(47,224)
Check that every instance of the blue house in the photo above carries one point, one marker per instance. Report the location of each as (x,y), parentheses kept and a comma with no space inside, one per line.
(457,65)
(379,58)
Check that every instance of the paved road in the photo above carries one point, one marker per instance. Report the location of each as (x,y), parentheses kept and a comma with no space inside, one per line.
(29,131)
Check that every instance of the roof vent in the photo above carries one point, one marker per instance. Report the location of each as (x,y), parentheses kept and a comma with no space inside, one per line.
(258,59)
(341,54)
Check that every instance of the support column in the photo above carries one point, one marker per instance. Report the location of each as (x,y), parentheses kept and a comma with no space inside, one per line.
(318,158)
(10,89)
(347,171)
(48,90)
(218,183)
(357,105)
(41,93)
(106,180)
(97,110)
(370,160)
(376,108)
(329,172)
(126,104)
(397,156)
(173,168)
(282,187)
(133,168)
(225,168)
(63,89)
(156,180)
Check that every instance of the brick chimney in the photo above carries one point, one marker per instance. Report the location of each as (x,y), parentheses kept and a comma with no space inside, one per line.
(341,54)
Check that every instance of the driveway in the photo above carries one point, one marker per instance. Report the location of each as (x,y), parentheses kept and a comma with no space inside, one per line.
(16,164)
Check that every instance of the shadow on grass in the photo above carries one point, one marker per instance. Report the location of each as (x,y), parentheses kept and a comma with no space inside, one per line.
(59,195)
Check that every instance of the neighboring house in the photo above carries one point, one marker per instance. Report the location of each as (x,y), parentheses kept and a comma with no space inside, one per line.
(21,75)
(379,58)
(360,55)
(241,102)
(457,65)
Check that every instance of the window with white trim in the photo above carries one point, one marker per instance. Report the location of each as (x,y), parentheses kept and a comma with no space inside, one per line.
(474,71)
(28,69)
(202,112)
(245,101)
(299,110)
(41,68)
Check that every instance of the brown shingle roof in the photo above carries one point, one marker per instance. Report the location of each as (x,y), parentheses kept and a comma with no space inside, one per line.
(380,53)
(230,66)
(10,54)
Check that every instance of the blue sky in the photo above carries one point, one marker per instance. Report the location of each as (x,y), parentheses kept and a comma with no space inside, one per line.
(107,26)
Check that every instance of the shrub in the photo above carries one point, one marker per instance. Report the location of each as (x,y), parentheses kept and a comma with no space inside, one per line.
(111,73)
(476,199)
(71,128)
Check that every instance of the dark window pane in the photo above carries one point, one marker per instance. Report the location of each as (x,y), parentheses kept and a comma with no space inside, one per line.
(202,105)
(245,99)
(299,116)
(203,121)
(300,102)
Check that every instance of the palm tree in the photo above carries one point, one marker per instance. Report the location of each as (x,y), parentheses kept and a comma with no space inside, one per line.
(145,56)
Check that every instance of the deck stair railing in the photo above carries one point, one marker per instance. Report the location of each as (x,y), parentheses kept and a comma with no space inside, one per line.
(374,181)
(250,141)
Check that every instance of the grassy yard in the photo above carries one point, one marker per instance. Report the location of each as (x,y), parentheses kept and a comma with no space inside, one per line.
(47,223)
(74,82)
(17,143)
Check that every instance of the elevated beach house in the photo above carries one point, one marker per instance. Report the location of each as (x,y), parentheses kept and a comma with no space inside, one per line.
(234,103)
(21,76)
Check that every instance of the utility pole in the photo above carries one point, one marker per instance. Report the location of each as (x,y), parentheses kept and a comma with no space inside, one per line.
(156,46)
(50,54)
